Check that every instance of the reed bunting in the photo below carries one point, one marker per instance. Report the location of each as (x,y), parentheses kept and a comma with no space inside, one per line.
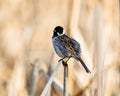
(66,47)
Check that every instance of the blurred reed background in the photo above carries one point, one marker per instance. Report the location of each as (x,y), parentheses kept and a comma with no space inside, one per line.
(27,56)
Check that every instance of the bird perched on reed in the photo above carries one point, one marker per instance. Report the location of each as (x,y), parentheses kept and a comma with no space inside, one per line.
(66,47)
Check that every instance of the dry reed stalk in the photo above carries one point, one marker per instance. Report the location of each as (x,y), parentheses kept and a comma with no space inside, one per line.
(65,93)
(99,49)
(33,79)
(56,85)
(51,79)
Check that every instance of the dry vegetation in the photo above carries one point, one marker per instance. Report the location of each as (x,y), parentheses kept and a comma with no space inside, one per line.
(27,58)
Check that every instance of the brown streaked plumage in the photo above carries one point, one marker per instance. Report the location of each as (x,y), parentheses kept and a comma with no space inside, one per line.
(69,45)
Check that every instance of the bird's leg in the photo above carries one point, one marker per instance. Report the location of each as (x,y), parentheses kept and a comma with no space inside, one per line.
(62,59)
(67,59)
(65,62)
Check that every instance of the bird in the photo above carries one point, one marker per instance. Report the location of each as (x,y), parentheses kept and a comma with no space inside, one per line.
(66,47)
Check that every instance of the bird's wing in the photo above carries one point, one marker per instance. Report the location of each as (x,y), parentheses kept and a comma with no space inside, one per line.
(71,44)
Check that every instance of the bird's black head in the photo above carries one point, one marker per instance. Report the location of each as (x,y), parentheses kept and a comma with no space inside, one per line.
(58,31)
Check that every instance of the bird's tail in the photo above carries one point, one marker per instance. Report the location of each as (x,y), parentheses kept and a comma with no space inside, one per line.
(83,64)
